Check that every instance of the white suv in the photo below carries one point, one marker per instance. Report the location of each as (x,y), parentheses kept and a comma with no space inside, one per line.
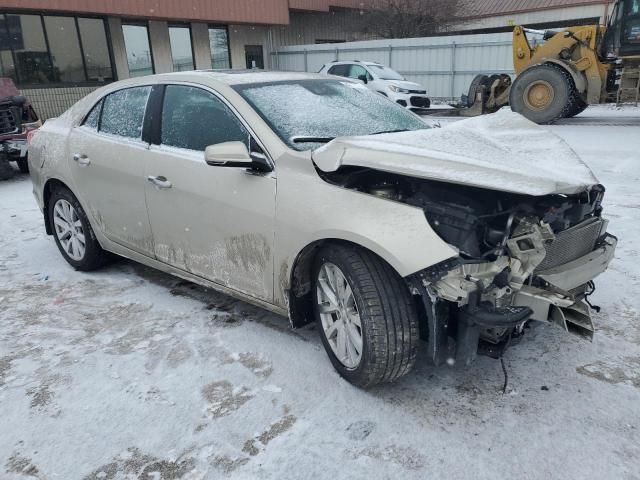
(383,80)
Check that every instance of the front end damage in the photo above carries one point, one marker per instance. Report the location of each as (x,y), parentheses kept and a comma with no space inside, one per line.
(521,258)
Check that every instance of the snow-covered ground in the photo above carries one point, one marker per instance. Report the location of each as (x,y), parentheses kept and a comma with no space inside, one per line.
(131,373)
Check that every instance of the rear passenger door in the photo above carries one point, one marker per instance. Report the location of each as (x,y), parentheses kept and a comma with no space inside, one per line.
(107,154)
(339,70)
(214,222)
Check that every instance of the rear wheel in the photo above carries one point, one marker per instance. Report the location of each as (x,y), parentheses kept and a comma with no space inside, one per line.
(542,93)
(23,165)
(367,320)
(478,82)
(73,233)
(6,169)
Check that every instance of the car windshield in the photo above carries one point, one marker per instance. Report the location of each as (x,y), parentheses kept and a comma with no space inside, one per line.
(385,73)
(305,113)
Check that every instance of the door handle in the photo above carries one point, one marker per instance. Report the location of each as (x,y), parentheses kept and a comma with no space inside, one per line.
(160,181)
(81,159)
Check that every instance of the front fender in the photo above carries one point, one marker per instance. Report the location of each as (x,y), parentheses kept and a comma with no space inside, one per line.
(310,210)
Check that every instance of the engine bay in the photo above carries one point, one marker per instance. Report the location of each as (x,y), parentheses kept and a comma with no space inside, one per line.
(476,221)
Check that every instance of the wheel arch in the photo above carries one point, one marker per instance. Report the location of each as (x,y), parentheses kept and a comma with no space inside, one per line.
(50,185)
(296,284)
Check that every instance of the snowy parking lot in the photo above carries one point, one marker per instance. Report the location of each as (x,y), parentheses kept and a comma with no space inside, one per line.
(131,373)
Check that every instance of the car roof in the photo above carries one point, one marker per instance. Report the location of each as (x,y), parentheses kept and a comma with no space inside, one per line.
(352,62)
(238,77)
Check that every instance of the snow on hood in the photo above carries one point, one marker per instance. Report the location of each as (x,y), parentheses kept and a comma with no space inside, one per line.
(503,151)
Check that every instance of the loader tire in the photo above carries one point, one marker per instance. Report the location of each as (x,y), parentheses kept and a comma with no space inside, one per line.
(542,93)
(577,106)
(476,84)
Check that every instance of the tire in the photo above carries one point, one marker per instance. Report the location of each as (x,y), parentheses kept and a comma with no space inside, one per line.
(6,169)
(93,256)
(577,106)
(383,304)
(23,165)
(477,82)
(542,93)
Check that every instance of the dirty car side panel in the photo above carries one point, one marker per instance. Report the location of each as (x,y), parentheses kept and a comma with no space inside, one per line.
(213,222)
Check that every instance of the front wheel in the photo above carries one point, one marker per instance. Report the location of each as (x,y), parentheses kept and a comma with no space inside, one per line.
(366,316)
(577,106)
(542,93)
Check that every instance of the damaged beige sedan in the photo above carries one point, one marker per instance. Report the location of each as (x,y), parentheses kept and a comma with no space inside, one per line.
(317,199)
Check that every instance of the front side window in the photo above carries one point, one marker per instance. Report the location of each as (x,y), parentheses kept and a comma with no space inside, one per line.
(136,41)
(181,52)
(306,112)
(358,72)
(123,112)
(193,118)
(219,45)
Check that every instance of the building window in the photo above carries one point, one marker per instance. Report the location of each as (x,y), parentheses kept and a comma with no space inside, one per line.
(181,51)
(64,47)
(219,45)
(43,50)
(95,49)
(29,48)
(136,42)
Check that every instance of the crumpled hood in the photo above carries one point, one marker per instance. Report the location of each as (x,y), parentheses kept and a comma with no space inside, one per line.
(503,151)
(406,84)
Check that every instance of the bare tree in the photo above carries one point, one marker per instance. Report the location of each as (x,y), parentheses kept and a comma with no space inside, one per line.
(410,18)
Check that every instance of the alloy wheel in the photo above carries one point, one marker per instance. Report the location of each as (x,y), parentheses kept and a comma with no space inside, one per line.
(339,315)
(69,230)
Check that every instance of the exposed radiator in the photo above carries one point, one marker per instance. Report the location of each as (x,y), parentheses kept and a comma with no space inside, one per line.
(572,243)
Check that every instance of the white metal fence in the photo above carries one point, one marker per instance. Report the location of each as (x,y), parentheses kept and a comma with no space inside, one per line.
(444,65)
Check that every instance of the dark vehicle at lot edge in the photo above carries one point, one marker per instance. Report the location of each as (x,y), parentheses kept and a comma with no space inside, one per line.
(17,119)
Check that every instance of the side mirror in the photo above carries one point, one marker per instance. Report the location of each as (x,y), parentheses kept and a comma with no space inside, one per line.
(363,79)
(235,154)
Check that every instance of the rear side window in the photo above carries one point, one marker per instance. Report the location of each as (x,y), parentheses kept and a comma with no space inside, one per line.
(339,70)
(193,118)
(91,121)
(123,112)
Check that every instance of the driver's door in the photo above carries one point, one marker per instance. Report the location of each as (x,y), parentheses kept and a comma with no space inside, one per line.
(214,222)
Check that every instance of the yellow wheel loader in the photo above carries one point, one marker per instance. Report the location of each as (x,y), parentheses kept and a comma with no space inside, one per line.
(569,70)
